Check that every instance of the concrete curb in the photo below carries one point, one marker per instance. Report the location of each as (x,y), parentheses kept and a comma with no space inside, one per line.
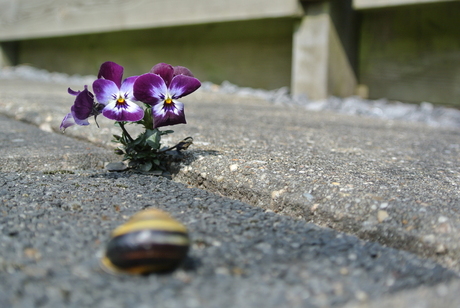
(387,181)
(390,182)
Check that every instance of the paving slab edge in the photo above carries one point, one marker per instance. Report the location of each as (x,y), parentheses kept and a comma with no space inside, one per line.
(396,238)
(189,173)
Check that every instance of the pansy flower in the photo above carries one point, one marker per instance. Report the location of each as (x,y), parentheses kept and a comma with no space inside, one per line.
(83,107)
(161,88)
(117,96)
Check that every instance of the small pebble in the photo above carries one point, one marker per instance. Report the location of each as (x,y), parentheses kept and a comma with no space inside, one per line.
(382,215)
(116,166)
(442,219)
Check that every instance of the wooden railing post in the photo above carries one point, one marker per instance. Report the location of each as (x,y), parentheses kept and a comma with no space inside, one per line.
(8,53)
(320,66)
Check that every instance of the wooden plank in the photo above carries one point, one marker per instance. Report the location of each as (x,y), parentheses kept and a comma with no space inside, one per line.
(310,55)
(3,58)
(8,53)
(320,66)
(341,77)
(24,19)
(412,53)
(371,4)
(252,53)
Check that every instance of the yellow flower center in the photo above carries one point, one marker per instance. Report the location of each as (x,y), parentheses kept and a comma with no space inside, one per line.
(121,101)
(168,101)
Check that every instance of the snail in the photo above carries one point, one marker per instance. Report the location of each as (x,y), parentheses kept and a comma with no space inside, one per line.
(151,241)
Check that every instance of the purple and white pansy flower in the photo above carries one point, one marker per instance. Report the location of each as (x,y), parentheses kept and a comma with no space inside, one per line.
(116,95)
(161,88)
(83,107)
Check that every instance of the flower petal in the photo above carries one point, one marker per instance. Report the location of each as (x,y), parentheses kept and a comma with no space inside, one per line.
(166,71)
(79,121)
(182,85)
(83,106)
(127,87)
(129,111)
(67,122)
(111,71)
(149,88)
(181,70)
(72,92)
(168,114)
(105,90)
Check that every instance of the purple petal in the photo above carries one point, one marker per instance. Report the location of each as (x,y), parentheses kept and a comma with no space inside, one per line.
(181,70)
(127,87)
(166,71)
(105,90)
(72,92)
(182,85)
(83,106)
(111,71)
(67,122)
(128,111)
(79,121)
(149,88)
(168,114)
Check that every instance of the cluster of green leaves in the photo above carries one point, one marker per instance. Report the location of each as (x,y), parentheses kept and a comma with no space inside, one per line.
(144,152)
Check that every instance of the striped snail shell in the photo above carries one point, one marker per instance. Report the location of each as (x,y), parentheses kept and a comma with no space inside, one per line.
(151,241)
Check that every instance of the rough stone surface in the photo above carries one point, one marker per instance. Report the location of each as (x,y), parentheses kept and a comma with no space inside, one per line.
(55,225)
(442,295)
(335,170)
(390,182)
(23,146)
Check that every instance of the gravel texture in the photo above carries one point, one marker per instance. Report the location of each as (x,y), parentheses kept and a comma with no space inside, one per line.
(23,147)
(388,181)
(54,228)
(445,295)
(424,112)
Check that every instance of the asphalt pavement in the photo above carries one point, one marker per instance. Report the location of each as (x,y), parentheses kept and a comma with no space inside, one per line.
(285,207)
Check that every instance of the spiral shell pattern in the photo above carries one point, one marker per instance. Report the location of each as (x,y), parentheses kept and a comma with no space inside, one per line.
(151,241)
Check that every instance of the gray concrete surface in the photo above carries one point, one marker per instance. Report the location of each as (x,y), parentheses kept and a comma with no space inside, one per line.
(387,181)
(262,191)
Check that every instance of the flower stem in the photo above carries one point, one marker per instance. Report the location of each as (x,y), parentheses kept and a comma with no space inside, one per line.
(125,132)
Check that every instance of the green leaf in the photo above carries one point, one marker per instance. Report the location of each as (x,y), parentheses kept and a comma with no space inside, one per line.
(146,166)
(143,155)
(153,140)
(165,132)
(150,132)
(119,151)
(124,140)
(138,140)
